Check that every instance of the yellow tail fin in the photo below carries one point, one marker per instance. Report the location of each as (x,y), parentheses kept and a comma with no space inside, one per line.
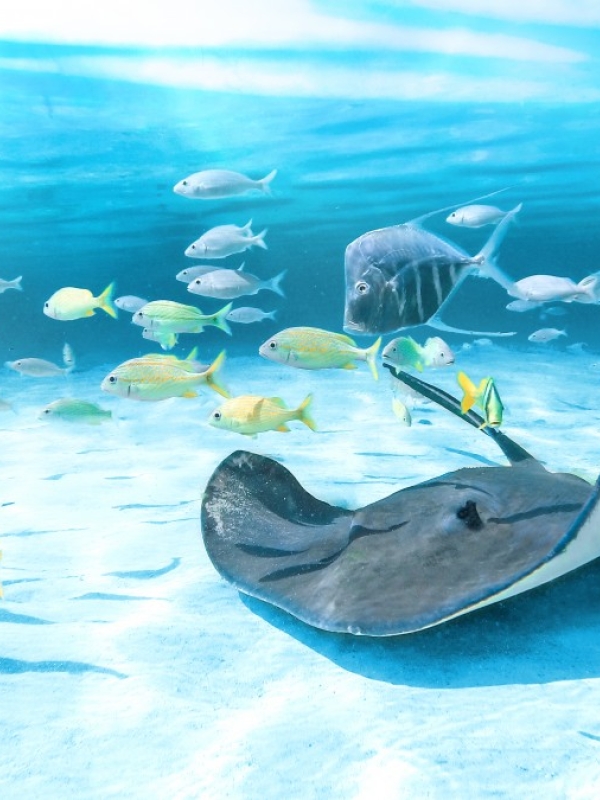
(371,355)
(105,301)
(211,375)
(470,392)
(303,414)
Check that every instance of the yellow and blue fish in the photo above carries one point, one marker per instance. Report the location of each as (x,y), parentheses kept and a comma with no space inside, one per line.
(485,396)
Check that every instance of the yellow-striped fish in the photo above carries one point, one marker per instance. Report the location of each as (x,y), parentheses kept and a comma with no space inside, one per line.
(250,414)
(314,348)
(160,378)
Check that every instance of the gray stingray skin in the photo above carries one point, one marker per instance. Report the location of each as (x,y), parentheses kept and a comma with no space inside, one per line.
(412,560)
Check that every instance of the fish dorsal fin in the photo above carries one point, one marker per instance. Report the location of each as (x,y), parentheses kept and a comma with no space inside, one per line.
(423,217)
(241,267)
(513,451)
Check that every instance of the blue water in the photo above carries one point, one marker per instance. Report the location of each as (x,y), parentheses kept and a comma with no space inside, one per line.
(88,162)
(129,667)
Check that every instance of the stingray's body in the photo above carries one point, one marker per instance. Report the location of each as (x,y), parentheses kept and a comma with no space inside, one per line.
(415,559)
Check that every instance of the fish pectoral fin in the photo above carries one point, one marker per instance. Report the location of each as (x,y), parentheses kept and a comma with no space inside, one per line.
(283,428)
(190,393)
(90,313)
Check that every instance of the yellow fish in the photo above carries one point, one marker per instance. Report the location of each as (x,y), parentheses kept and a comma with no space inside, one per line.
(250,414)
(160,378)
(314,348)
(73,410)
(485,396)
(71,303)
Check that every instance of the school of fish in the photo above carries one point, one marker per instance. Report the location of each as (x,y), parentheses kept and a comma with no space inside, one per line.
(396,278)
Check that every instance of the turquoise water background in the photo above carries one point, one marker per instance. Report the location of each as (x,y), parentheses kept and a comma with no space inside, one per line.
(418,110)
(129,668)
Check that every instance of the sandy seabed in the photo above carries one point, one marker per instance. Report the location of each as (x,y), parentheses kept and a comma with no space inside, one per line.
(129,668)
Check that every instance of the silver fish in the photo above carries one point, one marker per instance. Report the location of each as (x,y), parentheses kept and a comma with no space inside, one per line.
(14,284)
(248,314)
(476,216)
(130,303)
(211,184)
(227,284)
(189,273)
(545,335)
(225,240)
(38,368)
(401,276)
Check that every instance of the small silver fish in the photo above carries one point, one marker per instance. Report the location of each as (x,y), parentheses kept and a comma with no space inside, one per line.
(476,216)
(14,284)
(545,335)
(225,240)
(37,368)
(130,303)
(248,314)
(522,305)
(228,284)
(189,273)
(68,356)
(211,184)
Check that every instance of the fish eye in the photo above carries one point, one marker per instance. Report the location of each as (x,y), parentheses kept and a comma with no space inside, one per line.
(112,379)
(46,305)
(46,411)
(362,287)
(193,247)
(184,183)
(217,415)
(273,344)
(453,214)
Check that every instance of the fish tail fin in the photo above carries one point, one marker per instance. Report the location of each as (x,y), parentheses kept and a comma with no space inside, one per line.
(271,314)
(303,414)
(371,355)
(590,287)
(220,320)
(248,227)
(16,284)
(486,257)
(274,283)
(469,390)
(211,375)
(264,183)
(105,301)
(259,239)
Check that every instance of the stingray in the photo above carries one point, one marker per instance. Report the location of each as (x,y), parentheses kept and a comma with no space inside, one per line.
(401,276)
(415,559)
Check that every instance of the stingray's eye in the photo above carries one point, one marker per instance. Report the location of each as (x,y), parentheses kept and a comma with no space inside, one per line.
(469,514)
(112,379)
(217,415)
(272,345)
(362,287)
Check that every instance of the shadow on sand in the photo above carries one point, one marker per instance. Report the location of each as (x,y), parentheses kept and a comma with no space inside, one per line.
(551,633)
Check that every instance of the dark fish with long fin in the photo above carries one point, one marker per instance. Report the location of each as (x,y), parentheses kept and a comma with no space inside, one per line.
(402,276)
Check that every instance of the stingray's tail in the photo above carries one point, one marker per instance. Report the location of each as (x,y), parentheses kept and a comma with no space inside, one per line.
(513,451)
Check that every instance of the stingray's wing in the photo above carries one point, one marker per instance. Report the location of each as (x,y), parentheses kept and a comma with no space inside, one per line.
(513,451)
